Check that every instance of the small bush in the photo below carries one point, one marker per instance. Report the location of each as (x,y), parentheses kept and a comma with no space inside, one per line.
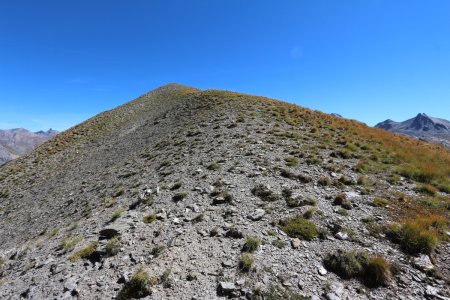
(264,193)
(246,262)
(427,189)
(342,212)
(116,214)
(149,218)
(138,287)
(298,227)
(380,202)
(165,278)
(324,181)
(291,161)
(179,196)
(377,272)
(213,166)
(157,250)
(341,199)
(2,261)
(84,253)
(414,237)
(279,244)
(69,243)
(54,232)
(251,244)
(309,213)
(346,264)
(346,180)
(374,271)
(112,247)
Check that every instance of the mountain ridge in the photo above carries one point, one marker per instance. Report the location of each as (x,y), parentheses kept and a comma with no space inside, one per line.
(206,194)
(431,129)
(18,141)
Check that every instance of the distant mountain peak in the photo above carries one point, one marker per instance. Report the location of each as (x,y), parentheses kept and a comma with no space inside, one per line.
(422,126)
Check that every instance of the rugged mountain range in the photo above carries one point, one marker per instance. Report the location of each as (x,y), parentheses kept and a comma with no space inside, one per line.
(16,142)
(422,126)
(191,194)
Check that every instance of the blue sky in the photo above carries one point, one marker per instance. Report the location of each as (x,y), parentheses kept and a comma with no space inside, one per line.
(62,62)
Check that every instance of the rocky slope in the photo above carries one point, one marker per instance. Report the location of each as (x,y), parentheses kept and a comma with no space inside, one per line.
(431,129)
(190,194)
(16,142)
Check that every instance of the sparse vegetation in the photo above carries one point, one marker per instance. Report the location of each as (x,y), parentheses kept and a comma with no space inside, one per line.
(341,199)
(264,193)
(138,287)
(149,218)
(116,214)
(213,166)
(112,247)
(84,253)
(299,227)
(69,243)
(251,244)
(380,202)
(374,271)
(291,161)
(246,262)
(279,244)
(420,235)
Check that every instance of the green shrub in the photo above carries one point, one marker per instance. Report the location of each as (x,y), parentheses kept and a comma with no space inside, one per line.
(346,264)
(279,244)
(264,193)
(342,212)
(324,181)
(138,287)
(380,202)
(84,253)
(427,189)
(116,214)
(373,271)
(246,262)
(251,244)
(54,232)
(341,199)
(291,161)
(69,243)
(414,238)
(213,166)
(149,218)
(299,227)
(309,213)
(346,180)
(377,272)
(112,247)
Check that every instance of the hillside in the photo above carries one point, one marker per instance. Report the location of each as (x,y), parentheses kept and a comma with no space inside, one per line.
(431,129)
(191,194)
(16,142)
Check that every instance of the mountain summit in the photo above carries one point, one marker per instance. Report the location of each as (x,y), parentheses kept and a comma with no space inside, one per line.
(422,126)
(206,194)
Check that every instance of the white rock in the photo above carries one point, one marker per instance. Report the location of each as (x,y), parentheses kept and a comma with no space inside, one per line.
(423,263)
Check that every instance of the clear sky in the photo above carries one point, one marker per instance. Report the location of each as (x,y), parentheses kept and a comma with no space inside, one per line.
(62,62)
